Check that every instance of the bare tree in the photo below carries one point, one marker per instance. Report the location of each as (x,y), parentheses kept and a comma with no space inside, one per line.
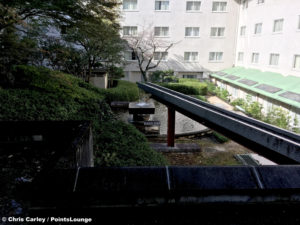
(144,45)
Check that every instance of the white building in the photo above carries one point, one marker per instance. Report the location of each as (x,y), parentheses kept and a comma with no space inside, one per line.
(204,33)
(218,35)
(213,35)
(271,39)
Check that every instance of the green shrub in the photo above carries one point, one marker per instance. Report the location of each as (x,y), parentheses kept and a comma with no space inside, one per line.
(200,97)
(240,102)
(163,76)
(188,88)
(254,109)
(222,93)
(121,144)
(51,95)
(278,117)
(211,87)
(169,79)
(124,91)
(156,76)
(184,80)
(220,138)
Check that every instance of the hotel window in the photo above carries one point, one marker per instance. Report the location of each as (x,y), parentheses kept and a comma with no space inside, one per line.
(193,6)
(255,57)
(258,28)
(162,5)
(192,31)
(241,56)
(190,76)
(161,31)
(219,6)
(215,56)
(278,25)
(217,31)
(243,31)
(274,59)
(260,1)
(129,31)
(297,62)
(160,56)
(191,56)
(129,4)
(130,55)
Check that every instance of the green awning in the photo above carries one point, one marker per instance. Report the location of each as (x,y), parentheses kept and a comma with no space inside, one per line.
(273,85)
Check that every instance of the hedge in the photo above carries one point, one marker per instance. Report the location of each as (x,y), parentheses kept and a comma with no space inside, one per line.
(188,88)
(124,91)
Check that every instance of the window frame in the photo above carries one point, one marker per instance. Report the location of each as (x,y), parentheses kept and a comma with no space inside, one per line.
(190,54)
(255,28)
(193,30)
(215,57)
(162,59)
(128,10)
(243,28)
(217,32)
(255,55)
(130,31)
(162,10)
(132,60)
(294,62)
(219,7)
(193,10)
(274,25)
(240,59)
(161,36)
(270,59)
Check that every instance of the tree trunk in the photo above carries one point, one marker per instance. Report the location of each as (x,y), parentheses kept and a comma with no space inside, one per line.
(144,74)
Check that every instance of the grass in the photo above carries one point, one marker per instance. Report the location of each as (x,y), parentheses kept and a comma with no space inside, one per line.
(206,156)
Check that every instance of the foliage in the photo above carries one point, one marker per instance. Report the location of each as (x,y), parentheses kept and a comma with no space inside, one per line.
(115,72)
(296,129)
(200,97)
(220,138)
(84,34)
(240,102)
(188,88)
(163,76)
(52,95)
(172,79)
(278,117)
(100,43)
(156,76)
(124,91)
(14,50)
(211,87)
(185,80)
(222,93)
(65,13)
(121,144)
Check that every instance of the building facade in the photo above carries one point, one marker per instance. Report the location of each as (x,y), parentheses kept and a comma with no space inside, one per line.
(268,38)
(203,33)
(262,37)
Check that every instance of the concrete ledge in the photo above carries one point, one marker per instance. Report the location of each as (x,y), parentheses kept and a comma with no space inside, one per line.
(184,147)
(158,186)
